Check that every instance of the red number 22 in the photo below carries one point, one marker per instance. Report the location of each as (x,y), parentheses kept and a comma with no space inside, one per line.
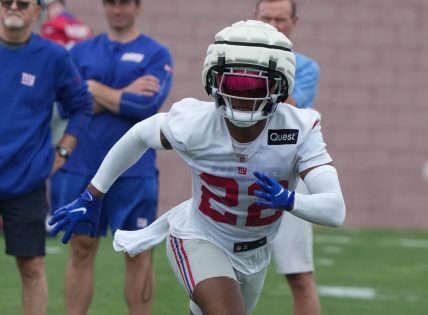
(230,199)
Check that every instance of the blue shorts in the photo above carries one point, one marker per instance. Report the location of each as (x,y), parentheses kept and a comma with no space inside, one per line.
(130,204)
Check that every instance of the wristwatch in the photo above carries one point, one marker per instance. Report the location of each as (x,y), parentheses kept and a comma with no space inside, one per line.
(63,152)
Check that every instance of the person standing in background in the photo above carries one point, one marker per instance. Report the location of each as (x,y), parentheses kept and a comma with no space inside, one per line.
(35,73)
(129,76)
(293,246)
(61,26)
(65,29)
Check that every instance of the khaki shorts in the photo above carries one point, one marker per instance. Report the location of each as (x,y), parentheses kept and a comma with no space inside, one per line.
(292,248)
(195,260)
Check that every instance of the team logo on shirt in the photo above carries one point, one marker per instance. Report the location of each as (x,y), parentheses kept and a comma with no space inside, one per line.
(282,136)
(134,57)
(242,170)
(28,79)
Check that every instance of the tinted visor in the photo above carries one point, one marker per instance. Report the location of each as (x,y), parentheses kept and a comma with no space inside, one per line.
(249,85)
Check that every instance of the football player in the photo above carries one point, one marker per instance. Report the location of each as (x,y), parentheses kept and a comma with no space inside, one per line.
(246,154)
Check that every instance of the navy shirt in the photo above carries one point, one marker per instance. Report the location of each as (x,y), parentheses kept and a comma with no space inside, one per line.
(33,76)
(117,65)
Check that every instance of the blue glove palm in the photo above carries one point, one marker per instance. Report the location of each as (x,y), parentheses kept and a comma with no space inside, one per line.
(85,209)
(273,195)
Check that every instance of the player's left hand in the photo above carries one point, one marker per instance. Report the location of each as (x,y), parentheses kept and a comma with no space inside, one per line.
(272,194)
(85,209)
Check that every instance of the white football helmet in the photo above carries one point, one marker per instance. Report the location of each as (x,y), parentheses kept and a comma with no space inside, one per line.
(249,60)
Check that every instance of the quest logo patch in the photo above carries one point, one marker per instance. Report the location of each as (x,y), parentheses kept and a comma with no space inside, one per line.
(282,136)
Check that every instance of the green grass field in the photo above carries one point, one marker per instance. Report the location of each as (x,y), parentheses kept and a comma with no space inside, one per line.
(370,272)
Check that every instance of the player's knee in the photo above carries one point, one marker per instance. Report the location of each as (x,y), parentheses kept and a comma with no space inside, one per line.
(301,281)
(31,268)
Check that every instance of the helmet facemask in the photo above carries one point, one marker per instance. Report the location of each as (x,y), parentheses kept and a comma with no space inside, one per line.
(263,87)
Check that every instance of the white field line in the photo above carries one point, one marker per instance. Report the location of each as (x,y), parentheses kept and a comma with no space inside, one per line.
(325,262)
(332,239)
(413,243)
(331,249)
(53,250)
(334,244)
(344,240)
(328,291)
(347,292)
(343,292)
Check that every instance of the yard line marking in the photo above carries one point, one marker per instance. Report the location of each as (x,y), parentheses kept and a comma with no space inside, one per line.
(347,292)
(53,250)
(332,239)
(406,242)
(345,240)
(326,262)
(332,249)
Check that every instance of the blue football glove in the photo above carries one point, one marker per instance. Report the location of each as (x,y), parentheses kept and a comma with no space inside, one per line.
(85,209)
(272,194)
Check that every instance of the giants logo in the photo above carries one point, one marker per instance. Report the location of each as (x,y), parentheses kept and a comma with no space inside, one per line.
(282,136)
(242,170)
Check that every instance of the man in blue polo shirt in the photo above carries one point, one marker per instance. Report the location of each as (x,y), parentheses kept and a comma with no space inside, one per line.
(129,77)
(34,73)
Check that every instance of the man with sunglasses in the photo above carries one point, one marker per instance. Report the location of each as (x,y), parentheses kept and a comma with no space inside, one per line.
(34,74)
(129,76)
(246,152)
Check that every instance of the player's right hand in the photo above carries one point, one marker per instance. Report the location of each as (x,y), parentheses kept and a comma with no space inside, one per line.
(85,209)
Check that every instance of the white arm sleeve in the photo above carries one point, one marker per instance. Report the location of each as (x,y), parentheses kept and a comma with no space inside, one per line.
(325,204)
(128,150)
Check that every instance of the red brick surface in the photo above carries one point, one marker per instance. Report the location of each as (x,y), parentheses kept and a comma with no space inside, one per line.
(373,92)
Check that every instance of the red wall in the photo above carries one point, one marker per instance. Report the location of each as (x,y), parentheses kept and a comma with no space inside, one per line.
(373,92)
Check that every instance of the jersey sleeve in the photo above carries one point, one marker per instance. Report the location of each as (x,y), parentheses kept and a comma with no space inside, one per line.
(312,150)
(72,94)
(137,106)
(179,123)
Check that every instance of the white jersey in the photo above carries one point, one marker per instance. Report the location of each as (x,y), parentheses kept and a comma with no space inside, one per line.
(223,207)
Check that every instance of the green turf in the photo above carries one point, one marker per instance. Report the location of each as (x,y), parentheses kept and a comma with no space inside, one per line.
(391,265)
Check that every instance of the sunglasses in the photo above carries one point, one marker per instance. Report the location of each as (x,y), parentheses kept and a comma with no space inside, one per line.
(21,5)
